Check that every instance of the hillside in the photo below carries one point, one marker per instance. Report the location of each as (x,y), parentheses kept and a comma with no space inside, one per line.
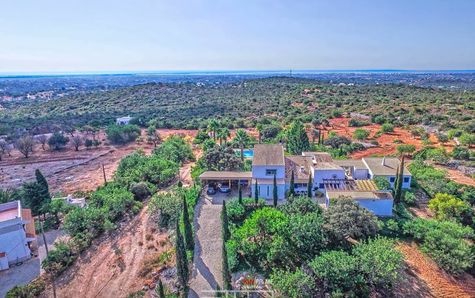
(188,105)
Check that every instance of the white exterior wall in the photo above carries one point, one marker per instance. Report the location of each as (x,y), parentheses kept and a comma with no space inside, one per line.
(320,174)
(405,185)
(266,191)
(15,245)
(360,174)
(378,207)
(259,172)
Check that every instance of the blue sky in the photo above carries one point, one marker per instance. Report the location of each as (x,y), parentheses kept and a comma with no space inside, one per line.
(148,35)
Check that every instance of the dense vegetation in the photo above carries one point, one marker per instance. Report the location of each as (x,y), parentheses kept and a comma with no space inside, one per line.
(137,177)
(307,252)
(187,105)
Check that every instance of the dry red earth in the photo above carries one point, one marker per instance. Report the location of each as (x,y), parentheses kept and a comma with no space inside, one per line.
(428,280)
(387,144)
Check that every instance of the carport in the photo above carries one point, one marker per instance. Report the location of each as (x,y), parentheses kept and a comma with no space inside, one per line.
(226,176)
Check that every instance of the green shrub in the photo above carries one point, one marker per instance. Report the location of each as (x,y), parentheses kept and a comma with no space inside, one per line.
(235,211)
(387,128)
(32,289)
(140,190)
(122,134)
(59,258)
(445,241)
(409,198)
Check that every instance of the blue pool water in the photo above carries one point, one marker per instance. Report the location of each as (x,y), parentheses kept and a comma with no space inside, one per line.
(248,153)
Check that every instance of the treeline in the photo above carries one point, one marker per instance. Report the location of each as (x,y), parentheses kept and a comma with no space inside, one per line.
(287,99)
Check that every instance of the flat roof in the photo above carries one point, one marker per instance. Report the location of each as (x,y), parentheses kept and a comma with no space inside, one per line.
(225,175)
(360,195)
(327,166)
(389,168)
(268,155)
(356,163)
(10,210)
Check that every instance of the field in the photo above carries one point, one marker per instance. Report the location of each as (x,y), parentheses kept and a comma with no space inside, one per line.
(70,171)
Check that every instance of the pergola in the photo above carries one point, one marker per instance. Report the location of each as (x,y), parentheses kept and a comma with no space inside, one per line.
(226,175)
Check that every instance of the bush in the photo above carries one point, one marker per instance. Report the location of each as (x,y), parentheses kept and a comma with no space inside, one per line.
(168,206)
(445,241)
(361,134)
(382,183)
(89,220)
(33,289)
(57,141)
(336,141)
(59,258)
(387,128)
(461,153)
(344,217)
(235,211)
(140,190)
(409,198)
(448,207)
(122,134)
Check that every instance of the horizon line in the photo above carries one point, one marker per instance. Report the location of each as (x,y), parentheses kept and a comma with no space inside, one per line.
(230,71)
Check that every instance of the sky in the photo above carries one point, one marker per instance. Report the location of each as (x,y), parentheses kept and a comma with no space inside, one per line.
(176,35)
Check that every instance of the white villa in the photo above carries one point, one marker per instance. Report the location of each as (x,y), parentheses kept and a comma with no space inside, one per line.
(123,120)
(17,232)
(331,179)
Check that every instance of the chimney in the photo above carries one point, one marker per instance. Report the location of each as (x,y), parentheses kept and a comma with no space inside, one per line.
(383,162)
(302,169)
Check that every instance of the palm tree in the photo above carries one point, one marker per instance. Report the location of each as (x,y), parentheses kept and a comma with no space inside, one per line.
(259,128)
(223,134)
(241,138)
(213,127)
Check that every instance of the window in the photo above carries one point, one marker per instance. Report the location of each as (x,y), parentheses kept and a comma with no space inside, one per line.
(267,190)
(392,179)
(270,172)
(406,179)
(321,186)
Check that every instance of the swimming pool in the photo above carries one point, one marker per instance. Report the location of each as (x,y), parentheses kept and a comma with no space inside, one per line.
(248,153)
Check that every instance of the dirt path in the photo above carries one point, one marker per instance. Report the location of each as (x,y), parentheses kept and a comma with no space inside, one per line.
(431,278)
(208,245)
(457,176)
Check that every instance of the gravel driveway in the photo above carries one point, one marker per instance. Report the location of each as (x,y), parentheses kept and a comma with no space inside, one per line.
(208,245)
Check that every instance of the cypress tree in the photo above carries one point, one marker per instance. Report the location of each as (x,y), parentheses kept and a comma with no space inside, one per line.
(240,193)
(297,138)
(43,191)
(274,191)
(225,270)
(224,222)
(292,184)
(398,182)
(181,259)
(188,230)
(218,291)
(159,290)
(309,186)
(256,192)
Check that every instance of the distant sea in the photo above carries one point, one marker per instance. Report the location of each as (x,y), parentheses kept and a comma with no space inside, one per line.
(227,73)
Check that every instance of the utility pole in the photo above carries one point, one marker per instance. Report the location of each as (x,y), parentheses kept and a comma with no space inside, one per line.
(47,254)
